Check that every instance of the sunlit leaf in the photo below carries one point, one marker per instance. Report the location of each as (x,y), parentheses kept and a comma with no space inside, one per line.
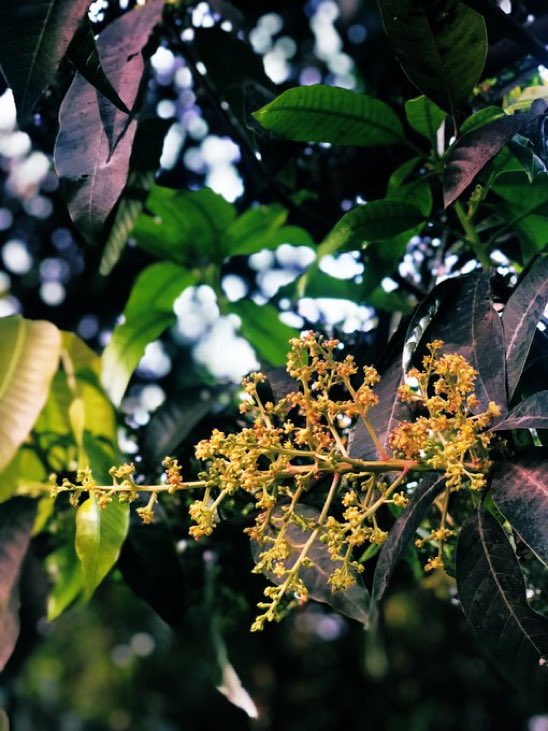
(262,227)
(520,492)
(329,114)
(261,325)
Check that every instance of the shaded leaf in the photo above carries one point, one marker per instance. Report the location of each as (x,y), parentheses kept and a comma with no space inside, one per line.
(93,146)
(475,149)
(29,355)
(520,492)
(84,55)
(100,534)
(65,570)
(320,113)
(520,318)
(401,533)
(173,422)
(424,116)
(34,37)
(261,325)
(441,47)
(16,519)
(148,313)
(492,593)
(479,118)
(185,226)
(351,602)
(529,414)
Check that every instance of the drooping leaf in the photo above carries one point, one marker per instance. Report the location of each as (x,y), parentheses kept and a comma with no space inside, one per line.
(185,226)
(34,37)
(492,593)
(16,519)
(29,355)
(93,147)
(100,534)
(401,533)
(520,492)
(320,113)
(352,602)
(148,313)
(529,414)
(84,55)
(424,116)
(475,149)
(173,422)
(441,47)
(520,318)
(261,325)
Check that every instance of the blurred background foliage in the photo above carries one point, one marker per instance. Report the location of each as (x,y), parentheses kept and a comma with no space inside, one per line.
(114,664)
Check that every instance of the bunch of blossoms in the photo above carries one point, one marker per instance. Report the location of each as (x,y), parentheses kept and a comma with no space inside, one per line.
(293,457)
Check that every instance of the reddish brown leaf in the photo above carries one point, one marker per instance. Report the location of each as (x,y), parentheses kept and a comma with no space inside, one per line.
(529,414)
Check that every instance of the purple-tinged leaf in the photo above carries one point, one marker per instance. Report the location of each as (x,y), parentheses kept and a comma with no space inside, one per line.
(351,602)
(529,414)
(520,492)
(492,593)
(16,519)
(401,533)
(475,149)
(95,139)
(34,37)
(520,319)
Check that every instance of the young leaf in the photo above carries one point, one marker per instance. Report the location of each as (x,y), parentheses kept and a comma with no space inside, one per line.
(475,149)
(94,143)
(148,313)
(185,226)
(16,519)
(401,533)
(424,116)
(329,114)
(492,593)
(441,47)
(100,534)
(529,414)
(352,602)
(265,331)
(29,356)
(34,37)
(520,318)
(520,492)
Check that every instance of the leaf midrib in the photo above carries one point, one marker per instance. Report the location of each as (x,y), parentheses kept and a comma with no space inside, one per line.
(16,354)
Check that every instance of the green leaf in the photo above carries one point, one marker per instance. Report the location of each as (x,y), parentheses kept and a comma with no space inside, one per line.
(173,422)
(100,534)
(34,37)
(441,46)
(479,118)
(372,221)
(400,174)
(424,116)
(25,470)
(65,571)
(492,593)
(261,325)
(148,313)
(262,227)
(520,492)
(329,114)
(185,226)
(29,355)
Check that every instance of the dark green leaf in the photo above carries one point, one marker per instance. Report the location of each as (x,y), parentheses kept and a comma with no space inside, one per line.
(67,576)
(34,37)
(29,356)
(16,519)
(441,47)
(479,118)
(524,151)
(521,316)
(520,492)
(173,422)
(492,593)
(352,602)
(261,325)
(83,54)
(260,228)
(529,414)
(100,534)
(93,147)
(424,116)
(185,226)
(148,313)
(474,150)
(401,533)
(329,114)
(400,174)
